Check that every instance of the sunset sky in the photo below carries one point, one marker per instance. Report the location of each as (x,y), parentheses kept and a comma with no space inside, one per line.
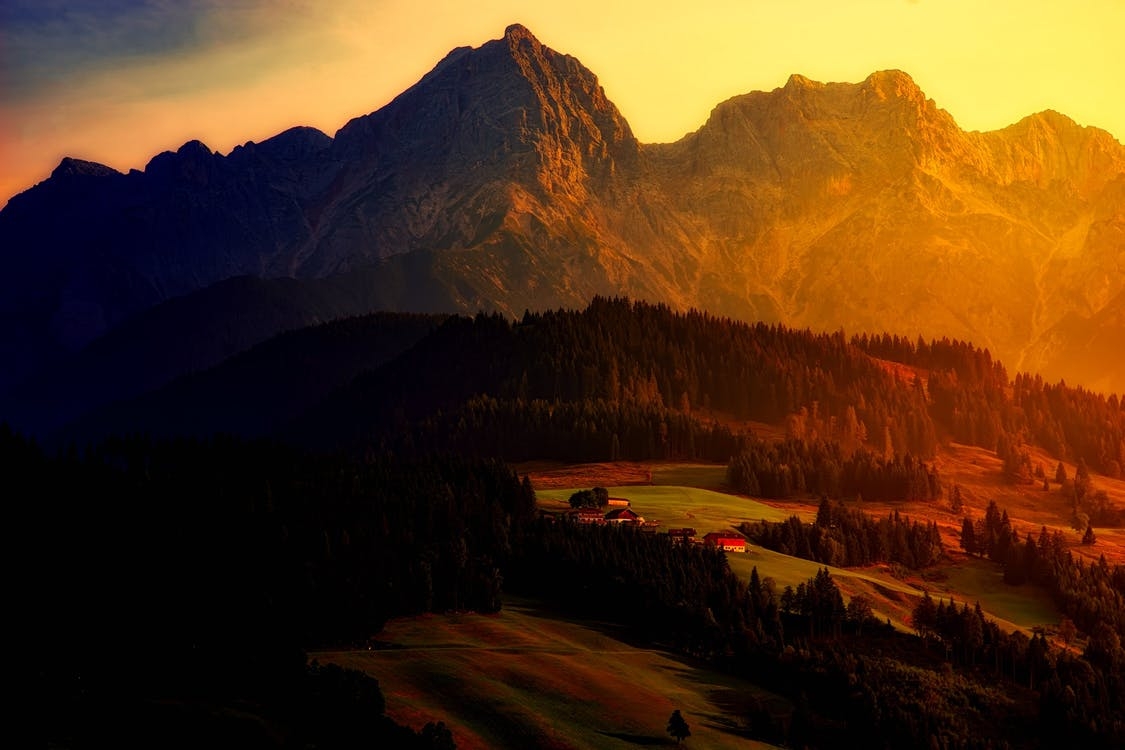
(117,81)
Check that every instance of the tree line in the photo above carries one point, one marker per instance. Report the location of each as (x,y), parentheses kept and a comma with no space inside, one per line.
(645,361)
(974,401)
(848,537)
(1092,595)
(783,469)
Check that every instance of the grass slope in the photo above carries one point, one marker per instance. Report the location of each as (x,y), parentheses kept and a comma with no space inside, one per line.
(962,579)
(526,678)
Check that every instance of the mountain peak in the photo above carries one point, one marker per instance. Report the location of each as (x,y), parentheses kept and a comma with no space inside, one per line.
(887,84)
(798,81)
(517,33)
(77,167)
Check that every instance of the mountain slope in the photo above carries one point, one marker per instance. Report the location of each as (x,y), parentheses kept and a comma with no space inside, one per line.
(505,179)
(865,206)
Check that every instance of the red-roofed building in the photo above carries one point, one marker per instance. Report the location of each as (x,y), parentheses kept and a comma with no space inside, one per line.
(619,502)
(725,542)
(623,515)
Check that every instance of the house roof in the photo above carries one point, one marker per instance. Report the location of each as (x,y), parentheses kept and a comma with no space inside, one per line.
(621,513)
(720,538)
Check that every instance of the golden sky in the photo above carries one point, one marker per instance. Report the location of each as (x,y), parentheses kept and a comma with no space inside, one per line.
(118,81)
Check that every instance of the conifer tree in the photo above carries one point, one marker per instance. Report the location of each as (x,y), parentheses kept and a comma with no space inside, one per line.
(1089,537)
(677,727)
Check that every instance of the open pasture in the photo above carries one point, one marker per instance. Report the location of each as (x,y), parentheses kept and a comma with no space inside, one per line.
(525,677)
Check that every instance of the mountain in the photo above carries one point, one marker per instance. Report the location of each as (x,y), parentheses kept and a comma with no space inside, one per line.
(865,206)
(505,179)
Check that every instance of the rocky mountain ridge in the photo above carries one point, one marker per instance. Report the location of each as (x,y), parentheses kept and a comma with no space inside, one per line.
(506,179)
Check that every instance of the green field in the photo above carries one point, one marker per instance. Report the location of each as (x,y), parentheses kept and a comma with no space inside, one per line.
(526,678)
(674,506)
(706,476)
(1023,608)
(975,580)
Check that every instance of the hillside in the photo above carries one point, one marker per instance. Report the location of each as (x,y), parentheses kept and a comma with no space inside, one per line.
(633,381)
(506,180)
(550,682)
(258,390)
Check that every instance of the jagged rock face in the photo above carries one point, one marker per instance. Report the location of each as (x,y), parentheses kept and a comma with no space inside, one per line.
(864,206)
(90,246)
(505,179)
(512,126)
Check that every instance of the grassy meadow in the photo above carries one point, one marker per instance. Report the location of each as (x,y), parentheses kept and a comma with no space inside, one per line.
(526,678)
(687,494)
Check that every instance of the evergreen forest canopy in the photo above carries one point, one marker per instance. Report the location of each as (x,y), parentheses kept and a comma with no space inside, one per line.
(621,380)
(632,380)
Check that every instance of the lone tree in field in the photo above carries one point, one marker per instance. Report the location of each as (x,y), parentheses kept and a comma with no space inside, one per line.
(1060,473)
(956,503)
(1089,537)
(677,727)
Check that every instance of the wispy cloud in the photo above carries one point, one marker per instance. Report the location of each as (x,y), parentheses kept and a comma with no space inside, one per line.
(50,45)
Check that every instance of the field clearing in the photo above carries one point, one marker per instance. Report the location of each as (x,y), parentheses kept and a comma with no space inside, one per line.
(547,475)
(964,579)
(979,472)
(890,599)
(705,510)
(527,678)
(696,494)
(973,580)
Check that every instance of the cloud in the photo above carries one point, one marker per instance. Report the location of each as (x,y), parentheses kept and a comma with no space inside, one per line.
(52,45)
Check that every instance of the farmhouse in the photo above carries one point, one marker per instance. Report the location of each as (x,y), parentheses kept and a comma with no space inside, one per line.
(587,515)
(725,542)
(684,535)
(623,515)
(619,502)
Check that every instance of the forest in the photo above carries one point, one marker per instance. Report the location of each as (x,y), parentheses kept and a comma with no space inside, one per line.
(796,467)
(633,380)
(619,380)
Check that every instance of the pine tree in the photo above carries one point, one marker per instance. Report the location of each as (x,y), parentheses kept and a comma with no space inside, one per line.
(968,537)
(677,727)
(1089,538)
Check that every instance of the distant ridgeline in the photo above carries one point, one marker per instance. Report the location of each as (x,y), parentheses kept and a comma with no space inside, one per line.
(629,380)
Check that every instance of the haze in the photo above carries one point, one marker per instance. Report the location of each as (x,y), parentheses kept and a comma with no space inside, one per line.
(123,80)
